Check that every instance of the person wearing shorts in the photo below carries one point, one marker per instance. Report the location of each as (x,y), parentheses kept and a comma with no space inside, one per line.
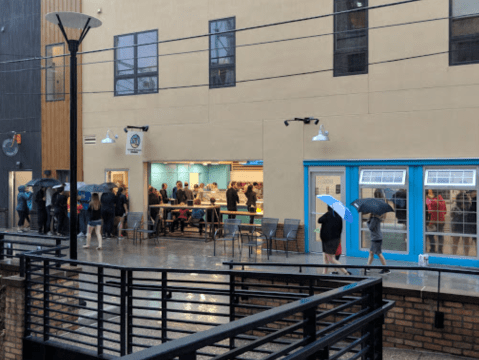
(94,212)
(374,225)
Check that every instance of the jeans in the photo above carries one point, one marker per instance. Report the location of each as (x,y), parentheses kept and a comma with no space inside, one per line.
(22,215)
(49,219)
(83,221)
(108,220)
(42,221)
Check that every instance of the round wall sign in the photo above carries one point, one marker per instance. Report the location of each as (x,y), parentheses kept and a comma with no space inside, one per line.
(135,141)
(10,147)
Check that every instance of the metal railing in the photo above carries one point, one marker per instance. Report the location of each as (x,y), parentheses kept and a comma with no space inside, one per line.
(168,313)
(438,316)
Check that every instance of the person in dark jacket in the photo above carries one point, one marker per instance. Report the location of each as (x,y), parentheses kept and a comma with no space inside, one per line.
(108,201)
(232,199)
(121,210)
(376,235)
(250,202)
(330,234)
(180,193)
(164,193)
(188,193)
(42,211)
(60,210)
(175,190)
(22,206)
(153,199)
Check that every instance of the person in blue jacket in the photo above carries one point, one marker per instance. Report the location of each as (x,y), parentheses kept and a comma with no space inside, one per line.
(22,206)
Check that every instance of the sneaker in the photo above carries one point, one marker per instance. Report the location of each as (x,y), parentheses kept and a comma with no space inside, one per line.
(20,230)
(86,246)
(27,228)
(80,235)
(49,233)
(350,273)
(99,248)
(385,271)
(335,273)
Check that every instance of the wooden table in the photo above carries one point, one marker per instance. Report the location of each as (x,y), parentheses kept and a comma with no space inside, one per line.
(203,207)
(244,213)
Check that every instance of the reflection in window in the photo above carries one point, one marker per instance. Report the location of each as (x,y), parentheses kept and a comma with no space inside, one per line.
(464,29)
(55,73)
(451,221)
(351,38)
(136,63)
(395,225)
(222,53)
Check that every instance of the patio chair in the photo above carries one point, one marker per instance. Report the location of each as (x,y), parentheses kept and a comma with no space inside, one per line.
(154,233)
(230,232)
(249,231)
(268,231)
(133,224)
(290,232)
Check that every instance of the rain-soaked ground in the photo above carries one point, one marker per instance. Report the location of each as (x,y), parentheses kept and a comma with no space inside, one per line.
(195,255)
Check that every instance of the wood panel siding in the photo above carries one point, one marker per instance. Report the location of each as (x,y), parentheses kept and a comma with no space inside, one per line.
(56,114)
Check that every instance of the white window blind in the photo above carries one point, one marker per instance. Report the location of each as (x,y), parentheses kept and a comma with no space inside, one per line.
(451,177)
(382,177)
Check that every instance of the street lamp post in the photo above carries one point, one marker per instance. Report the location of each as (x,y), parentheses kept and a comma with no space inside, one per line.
(84,22)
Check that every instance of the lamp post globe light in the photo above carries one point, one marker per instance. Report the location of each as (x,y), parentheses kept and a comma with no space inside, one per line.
(85,23)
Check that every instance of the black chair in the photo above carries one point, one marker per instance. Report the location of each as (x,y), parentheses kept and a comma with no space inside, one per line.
(154,233)
(249,231)
(290,229)
(268,231)
(230,232)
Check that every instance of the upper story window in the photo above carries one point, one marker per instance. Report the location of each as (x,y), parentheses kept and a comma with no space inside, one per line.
(222,53)
(136,67)
(55,73)
(350,38)
(464,32)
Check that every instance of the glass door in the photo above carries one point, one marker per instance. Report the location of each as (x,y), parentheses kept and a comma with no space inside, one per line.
(330,183)
(16,178)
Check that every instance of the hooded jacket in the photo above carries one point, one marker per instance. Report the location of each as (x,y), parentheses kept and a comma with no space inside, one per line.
(22,198)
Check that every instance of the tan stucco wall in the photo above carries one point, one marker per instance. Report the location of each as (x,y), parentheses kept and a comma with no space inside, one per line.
(419,108)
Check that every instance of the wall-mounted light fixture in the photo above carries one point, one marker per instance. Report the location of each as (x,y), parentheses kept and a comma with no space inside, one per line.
(142,128)
(108,139)
(305,120)
(323,135)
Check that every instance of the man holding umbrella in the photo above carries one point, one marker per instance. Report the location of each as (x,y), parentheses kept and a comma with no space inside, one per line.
(377,209)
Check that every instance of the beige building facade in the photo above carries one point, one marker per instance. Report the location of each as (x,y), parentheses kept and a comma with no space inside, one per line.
(395,128)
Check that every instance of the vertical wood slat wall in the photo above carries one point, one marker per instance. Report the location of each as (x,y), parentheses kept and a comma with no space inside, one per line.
(56,114)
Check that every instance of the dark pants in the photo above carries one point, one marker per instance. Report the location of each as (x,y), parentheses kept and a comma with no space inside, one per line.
(42,221)
(251,218)
(175,222)
(62,220)
(153,214)
(231,216)
(49,218)
(22,215)
(440,240)
(108,219)
(83,221)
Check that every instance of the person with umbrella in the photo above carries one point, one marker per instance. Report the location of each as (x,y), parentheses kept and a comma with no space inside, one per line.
(331,228)
(22,207)
(60,201)
(377,208)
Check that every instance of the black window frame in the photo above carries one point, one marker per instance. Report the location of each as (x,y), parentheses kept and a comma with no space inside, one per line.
(218,66)
(350,51)
(135,74)
(46,74)
(460,38)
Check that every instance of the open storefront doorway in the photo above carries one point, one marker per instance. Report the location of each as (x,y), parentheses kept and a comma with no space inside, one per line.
(15,179)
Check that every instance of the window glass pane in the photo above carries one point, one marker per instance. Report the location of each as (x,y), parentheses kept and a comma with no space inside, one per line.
(223,61)
(382,177)
(147,84)
(394,226)
(222,77)
(148,54)
(450,222)
(55,73)
(222,53)
(125,86)
(451,177)
(125,62)
(465,7)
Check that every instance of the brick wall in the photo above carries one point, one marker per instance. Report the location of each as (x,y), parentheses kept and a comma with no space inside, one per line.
(410,324)
(12,309)
(281,245)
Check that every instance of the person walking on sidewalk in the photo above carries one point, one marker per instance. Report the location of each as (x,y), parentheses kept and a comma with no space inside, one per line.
(121,211)
(22,207)
(374,225)
(331,229)
(94,222)
(42,211)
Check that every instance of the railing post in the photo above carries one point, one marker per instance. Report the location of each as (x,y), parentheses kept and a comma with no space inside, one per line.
(189,356)
(129,325)
(232,306)
(58,252)
(46,300)
(2,247)
(164,307)
(309,329)
(123,315)
(100,310)
(374,328)
(22,265)
(438,315)
(27,297)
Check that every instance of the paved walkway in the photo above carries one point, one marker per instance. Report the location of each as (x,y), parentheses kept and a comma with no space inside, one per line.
(177,253)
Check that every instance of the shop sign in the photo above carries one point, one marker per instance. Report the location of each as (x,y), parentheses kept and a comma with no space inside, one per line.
(134,142)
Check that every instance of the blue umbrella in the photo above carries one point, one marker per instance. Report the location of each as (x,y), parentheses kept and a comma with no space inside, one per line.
(93,188)
(337,206)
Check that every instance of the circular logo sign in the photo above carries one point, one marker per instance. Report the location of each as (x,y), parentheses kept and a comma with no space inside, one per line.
(135,141)
(9,147)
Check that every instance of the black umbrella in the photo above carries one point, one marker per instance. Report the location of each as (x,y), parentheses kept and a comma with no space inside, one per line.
(46,182)
(109,185)
(373,206)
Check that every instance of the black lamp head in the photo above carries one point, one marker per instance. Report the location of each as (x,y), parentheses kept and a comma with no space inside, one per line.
(286,123)
(316,122)
(145,128)
(125,130)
